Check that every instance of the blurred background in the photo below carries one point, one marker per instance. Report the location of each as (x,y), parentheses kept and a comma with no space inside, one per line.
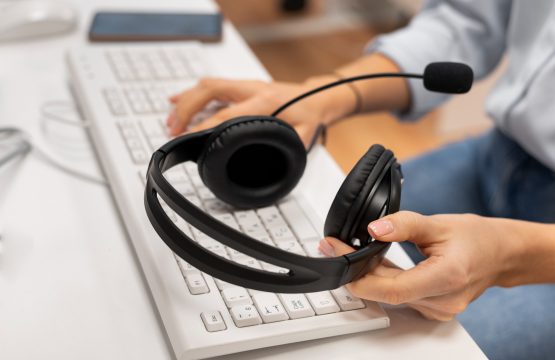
(295,39)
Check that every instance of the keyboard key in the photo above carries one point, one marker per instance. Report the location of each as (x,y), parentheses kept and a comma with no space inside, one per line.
(210,244)
(186,268)
(221,252)
(191,168)
(222,284)
(291,246)
(235,296)
(264,238)
(312,249)
(213,321)
(255,230)
(245,315)
(271,217)
(196,284)
(196,201)
(184,227)
(250,262)
(322,302)
(281,233)
(184,188)
(298,221)
(151,128)
(269,307)
(297,305)
(205,194)
(114,101)
(273,268)
(227,219)
(245,218)
(347,301)
(176,175)
(139,156)
(216,206)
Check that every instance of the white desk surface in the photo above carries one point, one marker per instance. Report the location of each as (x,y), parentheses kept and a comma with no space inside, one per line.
(70,284)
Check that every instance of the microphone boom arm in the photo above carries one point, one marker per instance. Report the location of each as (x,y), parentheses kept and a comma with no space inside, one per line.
(341,82)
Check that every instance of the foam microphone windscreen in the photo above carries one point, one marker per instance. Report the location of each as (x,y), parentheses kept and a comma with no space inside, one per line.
(448,77)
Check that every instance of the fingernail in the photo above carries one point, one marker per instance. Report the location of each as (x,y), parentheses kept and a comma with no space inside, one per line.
(325,248)
(380,227)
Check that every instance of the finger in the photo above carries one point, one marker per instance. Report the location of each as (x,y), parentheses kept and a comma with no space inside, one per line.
(406,225)
(174,98)
(249,107)
(306,132)
(191,102)
(432,314)
(452,303)
(431,277)
(330,246)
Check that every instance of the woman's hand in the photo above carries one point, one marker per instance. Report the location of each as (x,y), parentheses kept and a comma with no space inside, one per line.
(250,97)
(466,254)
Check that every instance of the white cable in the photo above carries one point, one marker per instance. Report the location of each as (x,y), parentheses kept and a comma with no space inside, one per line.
(53,160)
(48,112)
(20,146)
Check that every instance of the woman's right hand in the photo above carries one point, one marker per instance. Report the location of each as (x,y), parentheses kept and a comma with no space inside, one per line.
(252,97)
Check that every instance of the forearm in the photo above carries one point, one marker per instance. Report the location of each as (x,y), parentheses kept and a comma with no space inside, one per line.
(532,253)
(380,94)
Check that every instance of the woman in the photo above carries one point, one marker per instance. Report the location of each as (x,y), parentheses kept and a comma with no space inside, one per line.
(470,265)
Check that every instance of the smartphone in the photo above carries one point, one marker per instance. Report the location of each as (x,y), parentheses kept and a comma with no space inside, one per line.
(142,26)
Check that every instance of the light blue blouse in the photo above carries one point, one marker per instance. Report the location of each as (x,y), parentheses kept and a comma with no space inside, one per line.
(479,32)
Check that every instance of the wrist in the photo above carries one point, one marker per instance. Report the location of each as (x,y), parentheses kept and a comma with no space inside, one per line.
(334,103)
(529,253)
(511,251)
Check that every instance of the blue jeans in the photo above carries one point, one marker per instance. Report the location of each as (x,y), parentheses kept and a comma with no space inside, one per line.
(491,175)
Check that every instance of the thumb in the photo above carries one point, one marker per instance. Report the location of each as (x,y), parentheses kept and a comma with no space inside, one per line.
(405,225)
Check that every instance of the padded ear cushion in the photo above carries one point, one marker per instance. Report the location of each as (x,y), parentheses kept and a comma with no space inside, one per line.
(252,161)
(354,191)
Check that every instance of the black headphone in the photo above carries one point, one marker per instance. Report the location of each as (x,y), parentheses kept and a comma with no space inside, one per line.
(253,161)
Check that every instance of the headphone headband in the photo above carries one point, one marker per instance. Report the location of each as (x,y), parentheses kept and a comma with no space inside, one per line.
(305,274)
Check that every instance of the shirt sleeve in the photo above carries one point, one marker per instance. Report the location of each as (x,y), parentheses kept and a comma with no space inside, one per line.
(468,31)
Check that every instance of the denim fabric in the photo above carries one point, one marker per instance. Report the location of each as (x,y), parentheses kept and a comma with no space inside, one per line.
(491,175)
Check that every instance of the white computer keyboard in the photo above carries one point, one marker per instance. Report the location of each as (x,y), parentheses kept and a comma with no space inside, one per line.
(123,93)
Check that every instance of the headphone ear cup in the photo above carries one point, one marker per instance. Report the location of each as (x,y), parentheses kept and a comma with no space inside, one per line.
(350,197)
(252,161)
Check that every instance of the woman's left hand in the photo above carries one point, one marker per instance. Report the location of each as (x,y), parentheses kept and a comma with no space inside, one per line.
(466,254)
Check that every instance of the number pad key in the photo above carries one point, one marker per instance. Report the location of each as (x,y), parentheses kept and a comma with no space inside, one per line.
(269,307)
(213,321)
(346,300)
(297,305)
(245,315)
(322,302)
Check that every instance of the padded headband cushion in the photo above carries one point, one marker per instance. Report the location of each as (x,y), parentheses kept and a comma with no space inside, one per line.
(252,161)
(350,190)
